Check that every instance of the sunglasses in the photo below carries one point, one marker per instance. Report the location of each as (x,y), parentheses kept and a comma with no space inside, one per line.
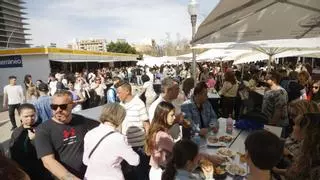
(61,106)
(315,87)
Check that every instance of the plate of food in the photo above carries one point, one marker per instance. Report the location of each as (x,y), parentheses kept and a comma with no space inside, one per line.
(242,157)
(225,152)
(236,170)
(225,139)
(214,141)
(220,172)
(207,168)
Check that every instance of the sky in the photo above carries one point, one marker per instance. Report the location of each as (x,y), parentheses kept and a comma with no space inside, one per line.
(137,21)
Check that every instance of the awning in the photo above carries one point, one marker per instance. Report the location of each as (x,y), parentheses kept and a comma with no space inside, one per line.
(252,20)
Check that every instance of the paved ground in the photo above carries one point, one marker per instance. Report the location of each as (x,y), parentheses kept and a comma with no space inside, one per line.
(5,127)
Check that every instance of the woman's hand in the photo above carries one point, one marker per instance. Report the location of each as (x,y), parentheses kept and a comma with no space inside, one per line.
(31,135)
(217,160)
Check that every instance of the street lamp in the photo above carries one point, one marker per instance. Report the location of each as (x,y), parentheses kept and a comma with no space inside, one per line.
(10,37)
(193,7)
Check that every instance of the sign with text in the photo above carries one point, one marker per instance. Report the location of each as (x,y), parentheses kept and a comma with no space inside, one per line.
(10,61)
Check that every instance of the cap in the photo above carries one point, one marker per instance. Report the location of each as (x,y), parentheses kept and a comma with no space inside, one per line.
(43,87)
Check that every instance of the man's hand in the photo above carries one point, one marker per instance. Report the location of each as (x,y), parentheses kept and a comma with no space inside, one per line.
(203,132)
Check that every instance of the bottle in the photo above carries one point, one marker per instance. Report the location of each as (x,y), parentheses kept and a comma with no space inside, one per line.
(196,138)
(229,126)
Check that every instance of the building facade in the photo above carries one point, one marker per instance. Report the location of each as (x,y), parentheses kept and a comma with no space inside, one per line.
(12,30)
(99,45)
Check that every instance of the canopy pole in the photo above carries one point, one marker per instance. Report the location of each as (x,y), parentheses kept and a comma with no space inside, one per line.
(242,71)
(269,63)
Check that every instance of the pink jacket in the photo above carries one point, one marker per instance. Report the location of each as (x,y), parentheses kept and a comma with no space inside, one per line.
(163,146)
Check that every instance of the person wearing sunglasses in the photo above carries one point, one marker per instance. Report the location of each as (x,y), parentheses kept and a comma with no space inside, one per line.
(315,92)
(59,141)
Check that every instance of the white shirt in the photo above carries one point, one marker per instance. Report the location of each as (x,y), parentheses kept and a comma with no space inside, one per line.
(104,163)
(152,109)
(14,94)
(99,90)
(132,125)
(53,87)
(149,89)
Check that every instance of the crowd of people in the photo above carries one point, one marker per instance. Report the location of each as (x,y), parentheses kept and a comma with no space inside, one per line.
(146,134)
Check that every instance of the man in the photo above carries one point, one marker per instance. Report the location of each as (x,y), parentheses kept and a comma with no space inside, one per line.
(12,98)
(169,92)
(112,91)
(263,152)
(59,141)
(135,126)
(99,88)
(275,102)
(139,75)
(42,104)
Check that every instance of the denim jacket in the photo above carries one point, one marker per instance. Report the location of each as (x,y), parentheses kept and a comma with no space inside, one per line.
(192,113)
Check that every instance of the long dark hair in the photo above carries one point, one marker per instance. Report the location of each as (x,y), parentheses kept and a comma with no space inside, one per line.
(159,123)
(230,77)
(310,148)
(183,151)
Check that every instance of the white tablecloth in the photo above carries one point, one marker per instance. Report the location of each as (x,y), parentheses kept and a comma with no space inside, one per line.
(238,144)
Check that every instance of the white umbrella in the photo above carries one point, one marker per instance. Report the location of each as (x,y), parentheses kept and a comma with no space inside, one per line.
(221,54)
(252,20)
(258,56)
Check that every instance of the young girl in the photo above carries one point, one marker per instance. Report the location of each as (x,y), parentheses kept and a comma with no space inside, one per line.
(184,160)
(159,142)
(22,149)
(32,94)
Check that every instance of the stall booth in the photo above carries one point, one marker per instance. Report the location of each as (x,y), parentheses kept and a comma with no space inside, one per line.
(40,62)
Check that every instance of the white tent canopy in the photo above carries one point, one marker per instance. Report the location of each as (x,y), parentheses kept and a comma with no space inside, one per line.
(252,20)
(221,54)
(258,56)
(158,61)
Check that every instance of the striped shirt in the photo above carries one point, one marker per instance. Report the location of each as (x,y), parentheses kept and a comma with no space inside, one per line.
(132,125)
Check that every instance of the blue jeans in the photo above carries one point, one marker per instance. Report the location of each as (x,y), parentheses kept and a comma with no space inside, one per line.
(140,172)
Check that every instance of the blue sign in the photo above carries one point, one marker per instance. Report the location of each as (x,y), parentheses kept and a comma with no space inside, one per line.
(10,61)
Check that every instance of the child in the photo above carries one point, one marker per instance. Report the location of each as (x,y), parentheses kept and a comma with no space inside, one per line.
(22,149)
(184,160)
(263,152)
(159,142)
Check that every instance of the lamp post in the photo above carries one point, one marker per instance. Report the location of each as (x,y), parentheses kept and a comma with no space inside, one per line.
(193,7)
(10,37)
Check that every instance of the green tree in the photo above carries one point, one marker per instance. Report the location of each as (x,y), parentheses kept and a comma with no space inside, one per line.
(121,47)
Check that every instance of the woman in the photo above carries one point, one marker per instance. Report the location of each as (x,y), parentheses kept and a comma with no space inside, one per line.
(307,165)
(103,159)
(187,88)
(184,160)
(77,97)
(315,92)
(148,90)
(21,144)
(304,80)
(199,110)
(211,82)
(32,94)
(228,92)
(159,142)
(28,81)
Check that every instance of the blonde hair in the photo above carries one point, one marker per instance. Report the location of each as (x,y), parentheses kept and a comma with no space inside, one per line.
(32,91)
(113,113)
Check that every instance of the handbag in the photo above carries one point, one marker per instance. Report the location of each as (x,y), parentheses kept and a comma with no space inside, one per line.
(95,147)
